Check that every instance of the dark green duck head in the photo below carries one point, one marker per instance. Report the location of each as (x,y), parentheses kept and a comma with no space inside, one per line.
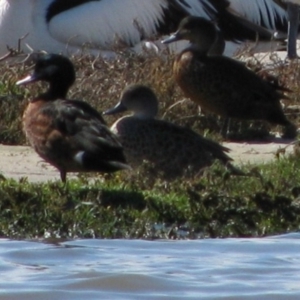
(202,34)
(55,69)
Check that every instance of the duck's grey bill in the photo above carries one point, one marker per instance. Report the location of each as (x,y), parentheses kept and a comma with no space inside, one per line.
(172,38)
(26,80)
(117,109)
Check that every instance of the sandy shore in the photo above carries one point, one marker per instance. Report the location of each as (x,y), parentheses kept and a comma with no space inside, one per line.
(21,161)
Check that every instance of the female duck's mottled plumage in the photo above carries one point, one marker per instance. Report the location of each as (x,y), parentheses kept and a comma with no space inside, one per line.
(69,134)
(173,150)
(220,84)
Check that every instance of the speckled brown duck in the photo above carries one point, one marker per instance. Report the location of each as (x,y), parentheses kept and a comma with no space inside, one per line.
(222,85)
(173,150)
(69,134)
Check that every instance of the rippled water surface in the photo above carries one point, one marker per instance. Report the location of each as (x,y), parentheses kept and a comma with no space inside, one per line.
(267,268)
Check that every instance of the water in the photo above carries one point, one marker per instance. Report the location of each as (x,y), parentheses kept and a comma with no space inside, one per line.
(267,268)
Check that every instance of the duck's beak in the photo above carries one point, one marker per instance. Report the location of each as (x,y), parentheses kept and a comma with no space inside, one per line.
(120,107)
(172,38)
(27,79)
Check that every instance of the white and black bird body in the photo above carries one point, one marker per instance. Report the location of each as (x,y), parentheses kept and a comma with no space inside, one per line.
(61,26)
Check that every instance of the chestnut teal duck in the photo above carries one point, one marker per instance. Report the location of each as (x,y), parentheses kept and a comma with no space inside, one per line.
(60,26)
(172,150)
(69,134)
(222,85)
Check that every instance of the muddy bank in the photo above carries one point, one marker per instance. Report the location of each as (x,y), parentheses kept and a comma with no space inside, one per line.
(21,161)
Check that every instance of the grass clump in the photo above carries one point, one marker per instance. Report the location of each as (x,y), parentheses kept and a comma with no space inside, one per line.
(216,205)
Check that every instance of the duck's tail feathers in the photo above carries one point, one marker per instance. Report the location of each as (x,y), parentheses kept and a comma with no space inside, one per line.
(96,163)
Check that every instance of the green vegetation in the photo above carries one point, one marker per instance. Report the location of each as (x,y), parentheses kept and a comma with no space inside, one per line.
(218,204)
(139,205)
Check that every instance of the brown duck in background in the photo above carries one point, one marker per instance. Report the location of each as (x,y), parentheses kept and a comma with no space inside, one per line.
(173,150)
(222,85)
(68,134)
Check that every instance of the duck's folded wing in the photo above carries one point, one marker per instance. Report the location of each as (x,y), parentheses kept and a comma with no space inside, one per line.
(89,140)
(82,123)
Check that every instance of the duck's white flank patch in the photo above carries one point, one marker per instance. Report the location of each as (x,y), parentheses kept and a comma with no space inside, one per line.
(79,157)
